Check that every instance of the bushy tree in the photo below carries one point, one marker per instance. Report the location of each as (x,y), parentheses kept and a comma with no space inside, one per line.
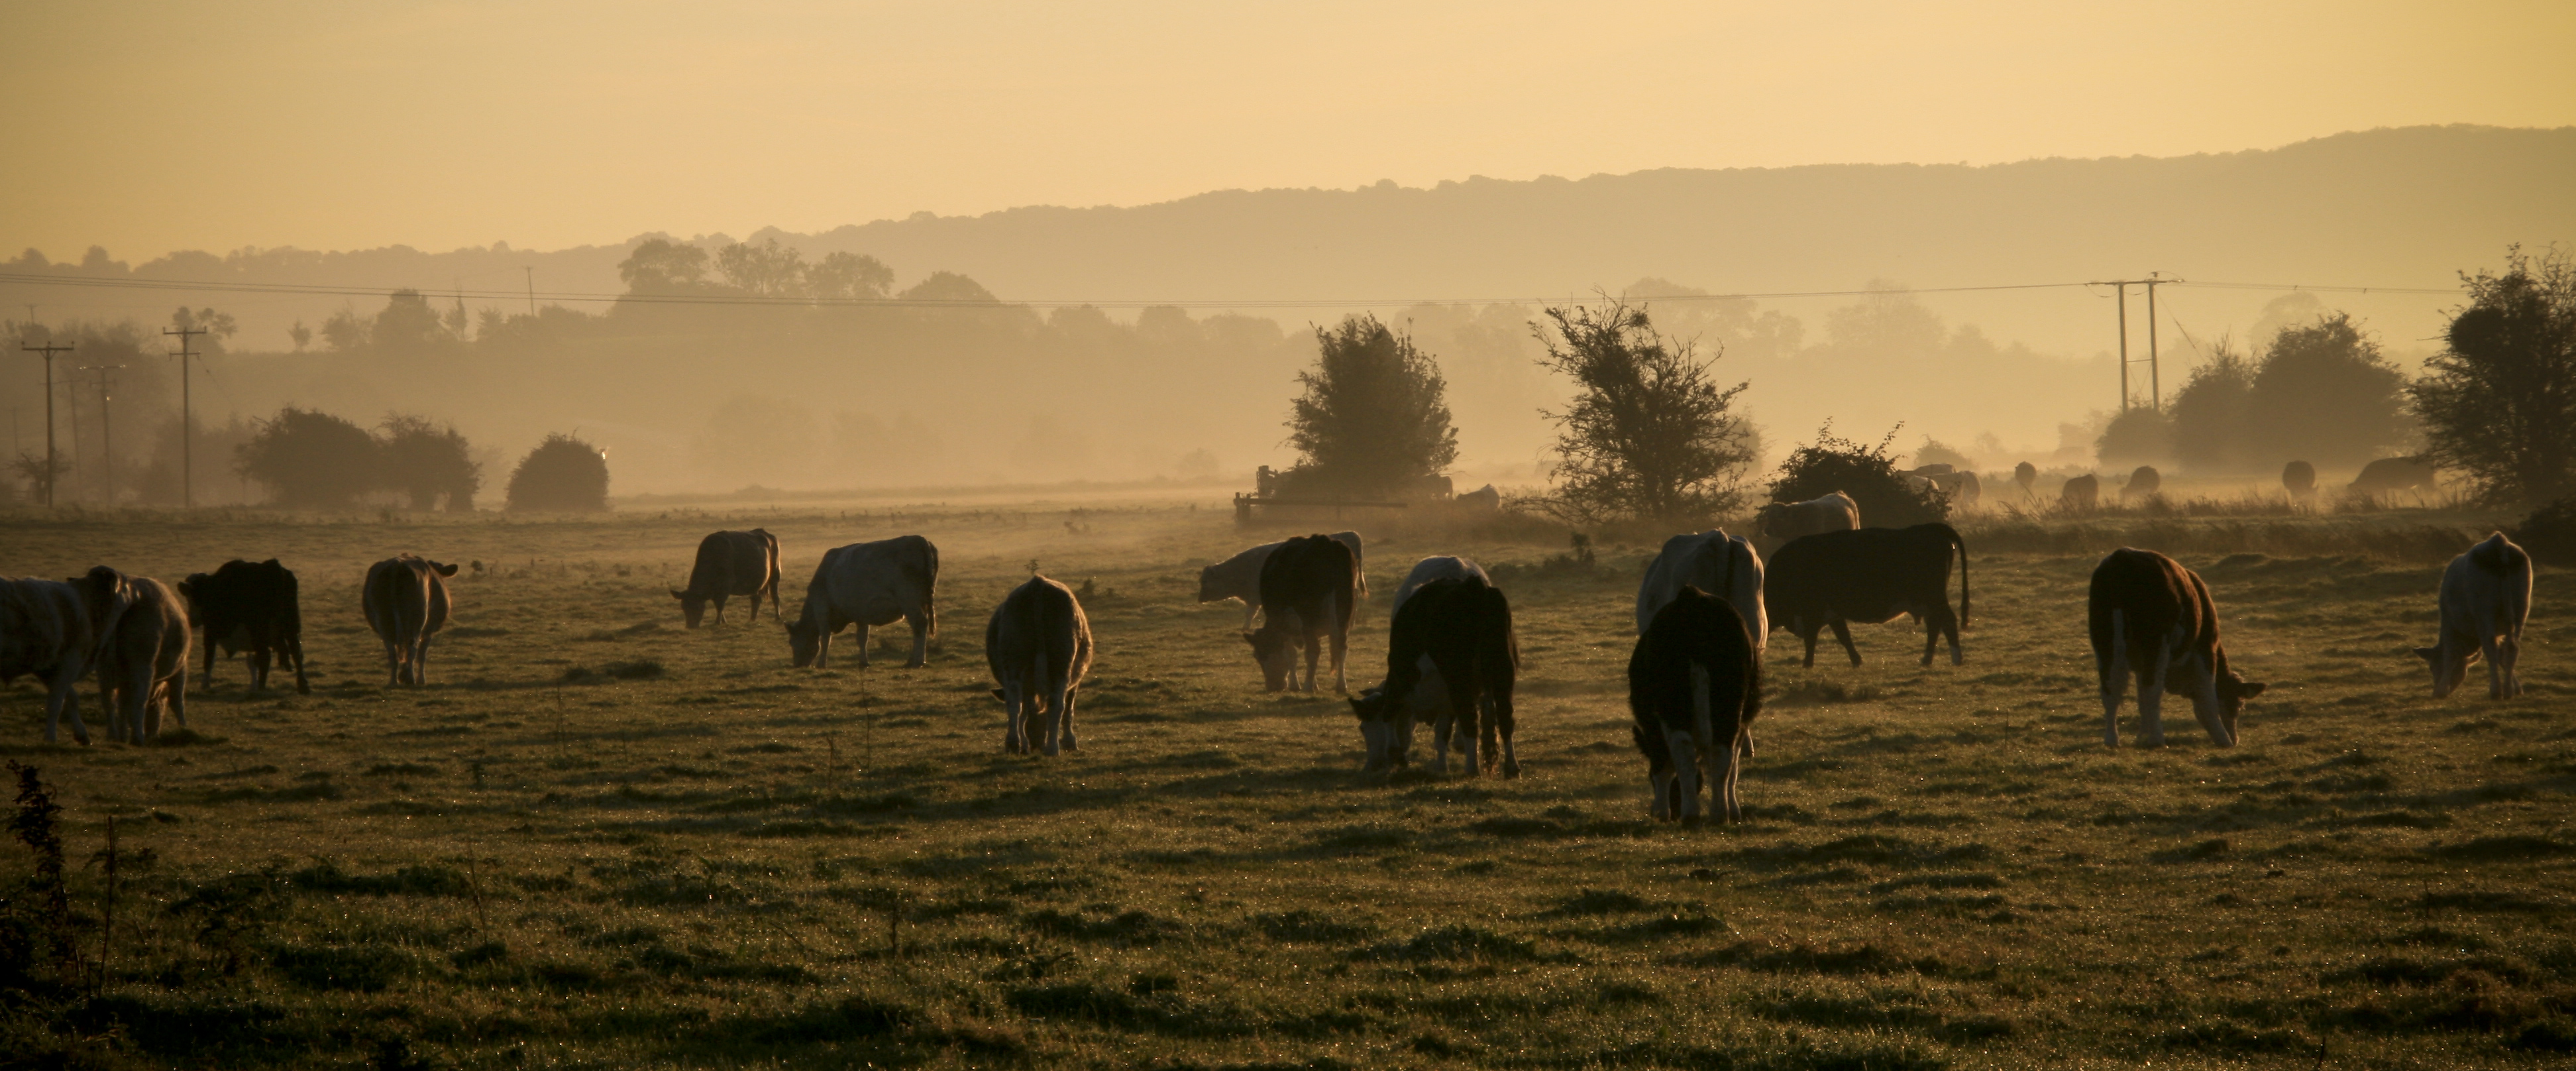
(1649,434)
(1373,418)
(1867,473)
(425,460)
(2139,436)
(309,459)
(1935,452)
(2210,412)
(2499,401)
(2325,394)
(563,474)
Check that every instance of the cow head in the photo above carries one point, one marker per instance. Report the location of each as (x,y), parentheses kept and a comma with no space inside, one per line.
(692,606)
(2447,672)
(2233,690)
(1207,586)
(1764,517)
(1275,648)
(804,639)
(1376,710)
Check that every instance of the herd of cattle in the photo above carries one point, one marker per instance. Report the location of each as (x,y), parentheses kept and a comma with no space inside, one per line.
(1706,606)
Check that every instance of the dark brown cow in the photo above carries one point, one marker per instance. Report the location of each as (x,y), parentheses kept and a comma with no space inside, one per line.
(2150,615)
(2397,474)
(1308,587)
(250,607)
(406,603)
(1038,645)
(1452,641)
(1694,688)
(1868,575)
(2144,481)
(730,564)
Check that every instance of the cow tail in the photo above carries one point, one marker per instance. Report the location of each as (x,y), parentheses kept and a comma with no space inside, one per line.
(1961,543)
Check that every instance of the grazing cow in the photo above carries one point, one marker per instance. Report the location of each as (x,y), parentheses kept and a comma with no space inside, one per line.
(867,585)
(2025,476)
(1307,588)
(1483,499)
(1869,575)
(45,633)
(2143,481)
(140,628)
(2081,492)
(2149,614)
(729,564)
(1775,524)
(1962,486)
(1713,562)
(2486,594)
(1694,687)
(2300,479)
(250,607)
(1937,468)
(2390,474)
(1239,577)
(1039,646)
(406,603)
(1451,655)
(1433,487)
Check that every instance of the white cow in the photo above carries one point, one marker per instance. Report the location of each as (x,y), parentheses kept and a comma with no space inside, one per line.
(1775,524)
(45,633)
(2486,594)
(1239,577)
(1038,646)
(868,584)
(143,639)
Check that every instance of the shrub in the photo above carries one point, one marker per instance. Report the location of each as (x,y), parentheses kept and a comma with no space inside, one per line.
(1867,473)
(2138,436)
(2550,533)
(310,459)
(564,474)
(425,461)
(1373,419)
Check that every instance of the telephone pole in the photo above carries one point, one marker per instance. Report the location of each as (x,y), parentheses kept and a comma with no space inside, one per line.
(532,289)
(2155,370)
(106,429)
(53,468)
(187,419)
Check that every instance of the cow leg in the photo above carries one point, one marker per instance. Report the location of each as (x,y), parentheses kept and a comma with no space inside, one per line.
(262,656)
(1721,780)
(1341,651)
(2151,698)
(2204,694)
(2497,670)
(1684,750)
(420,662)
(1810,636)
(178,697)
(1012,742)
(1070,695)
(920,643)
(134,699)
(2112,664)
(1501,733)
(719,600)
(1442,721)
(210,657)
(62,696)
(859,636)
(1842,631)
(1950,627)
(1056,721)
(1400,744)
(1748,741)
(393,663)
(295,649)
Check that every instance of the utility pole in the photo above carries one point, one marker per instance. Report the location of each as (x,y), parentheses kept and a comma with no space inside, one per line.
(2155,373)
(106,429)
(187,419)
(53,468)
(532,289)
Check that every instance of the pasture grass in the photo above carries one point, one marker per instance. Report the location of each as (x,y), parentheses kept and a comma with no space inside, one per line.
(600,839)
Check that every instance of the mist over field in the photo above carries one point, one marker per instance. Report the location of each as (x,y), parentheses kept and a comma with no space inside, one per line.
(1025,346)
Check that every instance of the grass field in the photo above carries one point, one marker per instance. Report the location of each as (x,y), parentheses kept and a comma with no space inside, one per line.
(597,839)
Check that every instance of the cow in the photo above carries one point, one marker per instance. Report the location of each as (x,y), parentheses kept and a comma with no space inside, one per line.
(1869,575)
(2080,492)
(45,633)
(2025,476)
(141,635)
(1307,588)
(1775,524)
(2486,595)
(2142,481)
(1713,562)
(1038,645)
(1239,577)
(867,585)
(1937,468)
(250,607)
(1962,486)
(2300,479)
(1441,567)
(406,603)
(1694,688)
(2390,474)
(1435,487)
(729,564)
(1482,500)
(2149,614)
(1451,655)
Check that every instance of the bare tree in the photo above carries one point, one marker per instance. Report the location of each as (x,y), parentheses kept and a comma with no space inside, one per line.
(1649,433)
(2500,400)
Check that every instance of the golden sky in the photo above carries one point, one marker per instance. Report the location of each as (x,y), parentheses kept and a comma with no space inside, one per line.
(148,127)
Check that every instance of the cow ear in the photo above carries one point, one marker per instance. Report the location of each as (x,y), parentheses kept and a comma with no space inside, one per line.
(2250,689)
(1356,708)
(2429,654)
(997,694)
(1248,638)
(447,570)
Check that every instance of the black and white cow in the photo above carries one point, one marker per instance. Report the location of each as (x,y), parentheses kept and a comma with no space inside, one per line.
(406,603)
(730,564)
(1869,575)
(141,630)
(1451,657)
(1038,645)
(2486,595)
(45,633)
(867,585)
(1239,577)
(1694,688)
(1308,587)
(253,607)
(2150,615)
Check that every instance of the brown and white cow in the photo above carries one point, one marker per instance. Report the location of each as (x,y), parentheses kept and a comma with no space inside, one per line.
(1038,645)
(1451,659)
(1776,523)
(1239,577)
(45,633)
(1694,688)
(2486,595)
(406,603)
(142,637)
(1308,587)
(2151,616)
(730,564)
(868,585)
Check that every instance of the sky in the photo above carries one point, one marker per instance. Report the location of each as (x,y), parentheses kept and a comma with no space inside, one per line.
(151,127)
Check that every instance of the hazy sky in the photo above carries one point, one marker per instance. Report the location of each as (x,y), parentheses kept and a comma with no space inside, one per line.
(332,125)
